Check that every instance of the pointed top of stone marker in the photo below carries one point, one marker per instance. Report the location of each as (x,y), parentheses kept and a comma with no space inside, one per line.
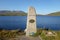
(31,10)
(31,7)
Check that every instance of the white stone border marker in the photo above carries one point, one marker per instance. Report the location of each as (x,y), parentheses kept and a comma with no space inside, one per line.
(31,22)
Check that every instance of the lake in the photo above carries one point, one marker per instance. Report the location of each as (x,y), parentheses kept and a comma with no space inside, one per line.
(19,22)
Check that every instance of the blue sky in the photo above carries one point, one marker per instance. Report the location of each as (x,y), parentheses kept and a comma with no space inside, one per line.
(41,6)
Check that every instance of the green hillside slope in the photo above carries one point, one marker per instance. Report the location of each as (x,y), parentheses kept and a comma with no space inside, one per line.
(54,14)
(12,13)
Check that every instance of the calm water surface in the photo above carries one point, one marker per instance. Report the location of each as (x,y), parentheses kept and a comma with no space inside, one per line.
(19,22)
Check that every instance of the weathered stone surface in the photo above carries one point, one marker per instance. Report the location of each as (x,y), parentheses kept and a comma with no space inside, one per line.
(31,21)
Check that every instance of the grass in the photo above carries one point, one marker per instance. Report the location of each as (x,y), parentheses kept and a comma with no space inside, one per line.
(10,34)
(44,37)
(40,32)
(58,35)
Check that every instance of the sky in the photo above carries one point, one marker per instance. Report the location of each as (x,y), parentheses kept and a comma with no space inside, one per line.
(42,6)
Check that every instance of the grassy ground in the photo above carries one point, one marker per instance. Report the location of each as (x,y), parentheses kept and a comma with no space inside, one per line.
(13,33)
(57,37)
(42,34)
(44,37)
(4,34)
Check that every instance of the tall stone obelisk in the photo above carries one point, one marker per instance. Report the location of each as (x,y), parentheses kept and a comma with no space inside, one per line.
(31,22)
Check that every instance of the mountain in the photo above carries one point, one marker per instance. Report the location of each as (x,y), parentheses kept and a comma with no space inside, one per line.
(54,14)
(12,13)
(22,13)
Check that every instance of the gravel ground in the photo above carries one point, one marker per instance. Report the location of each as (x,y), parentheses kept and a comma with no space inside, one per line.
(25,38)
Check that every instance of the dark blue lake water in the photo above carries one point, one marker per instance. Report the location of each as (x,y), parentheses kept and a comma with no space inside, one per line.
(19,22)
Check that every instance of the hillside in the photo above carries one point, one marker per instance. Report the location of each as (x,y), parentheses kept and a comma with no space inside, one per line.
(22,13)
(12,13)
(54,14)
